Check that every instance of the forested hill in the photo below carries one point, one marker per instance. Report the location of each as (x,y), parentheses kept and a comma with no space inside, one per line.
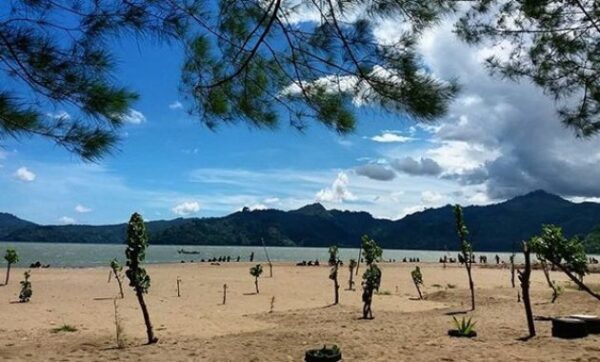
(493,227)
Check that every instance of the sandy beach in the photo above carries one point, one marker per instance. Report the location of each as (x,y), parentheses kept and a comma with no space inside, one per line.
(198,327)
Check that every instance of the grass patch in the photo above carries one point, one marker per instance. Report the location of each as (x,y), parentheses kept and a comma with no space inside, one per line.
(451,286)
(383,292)
(64,328)
(436,285)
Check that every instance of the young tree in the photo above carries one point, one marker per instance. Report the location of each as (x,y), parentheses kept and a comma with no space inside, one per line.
(117,270)
(466,249)
(417,278)
(26,291)
(256,271)
(551,283)
(351,265)
(553,43)
(565,254)
(334,262)
(372,276)
(137,242)
(243,61)
(11,258)
(524,279)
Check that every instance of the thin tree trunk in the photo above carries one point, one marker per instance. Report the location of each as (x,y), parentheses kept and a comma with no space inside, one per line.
(336,286)
(120,282)
(350,281)
(7,274)
(256,285)
(550,284)
(524,278)
(578,282)
(471,284)
(140,296)
(512,272)
(418,290)
(268,259)
(358,261)
(224,293)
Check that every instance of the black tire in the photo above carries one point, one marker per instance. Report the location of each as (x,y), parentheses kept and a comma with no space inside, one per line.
(310,356)
(569,328)
(592,322)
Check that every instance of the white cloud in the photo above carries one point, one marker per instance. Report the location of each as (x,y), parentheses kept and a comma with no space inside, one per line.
(390,137)
(24,174)
(431,197)
(134,117)
(82,209)
(186,208)
(176,105)
(338,192)
(271,200)
(65,220)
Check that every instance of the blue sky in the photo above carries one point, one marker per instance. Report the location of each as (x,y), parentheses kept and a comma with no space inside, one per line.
(499,140)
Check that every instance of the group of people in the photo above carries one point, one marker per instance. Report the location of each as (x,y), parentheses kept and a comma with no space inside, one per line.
(483,259)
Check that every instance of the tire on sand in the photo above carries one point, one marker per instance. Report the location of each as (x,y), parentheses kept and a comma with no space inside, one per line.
(569,328)
(592,322)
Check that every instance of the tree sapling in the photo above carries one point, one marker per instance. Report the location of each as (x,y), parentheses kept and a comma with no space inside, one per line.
(372,276)
(26,291)
(351,265)
(137,242)
(256,271)
(417,278)
(334,262)
(11,257)
(466,249)
(117,270)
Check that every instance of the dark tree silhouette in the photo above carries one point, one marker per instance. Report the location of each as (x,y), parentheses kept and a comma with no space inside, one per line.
(244,61)
(372,276)
(524,279)
(256,271)
(334,262)
(11,258)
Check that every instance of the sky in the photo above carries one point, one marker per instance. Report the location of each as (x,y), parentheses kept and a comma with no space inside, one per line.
(499,139)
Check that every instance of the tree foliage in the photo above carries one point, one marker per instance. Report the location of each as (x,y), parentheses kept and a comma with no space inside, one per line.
(372,276)
(247,61)
(11,257)
(568,255)
(553,43)
(26,291)
(256,271)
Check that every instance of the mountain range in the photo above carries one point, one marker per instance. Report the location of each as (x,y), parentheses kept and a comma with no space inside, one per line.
(497,227)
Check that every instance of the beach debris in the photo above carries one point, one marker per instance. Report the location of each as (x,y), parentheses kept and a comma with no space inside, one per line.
(417,278)
(334,262)
(256,271)
(371,276)
(137,242)
(11,258)
(26,291)
(117,270)
(466,249)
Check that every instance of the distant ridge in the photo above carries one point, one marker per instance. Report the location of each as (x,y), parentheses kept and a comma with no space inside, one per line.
(497,227)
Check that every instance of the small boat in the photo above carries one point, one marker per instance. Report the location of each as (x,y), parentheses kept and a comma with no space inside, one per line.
(183,251)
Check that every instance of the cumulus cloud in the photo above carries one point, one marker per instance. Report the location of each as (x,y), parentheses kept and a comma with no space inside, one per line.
(65,220)
(176,105)
(503,135)
(391,137)
(431,197)
(424,166)
(134,117)
(186,208)
(376,171)
(25,175)
(338,191)
(82,209)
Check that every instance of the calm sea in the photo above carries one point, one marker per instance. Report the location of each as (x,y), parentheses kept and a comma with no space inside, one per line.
(91,255)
